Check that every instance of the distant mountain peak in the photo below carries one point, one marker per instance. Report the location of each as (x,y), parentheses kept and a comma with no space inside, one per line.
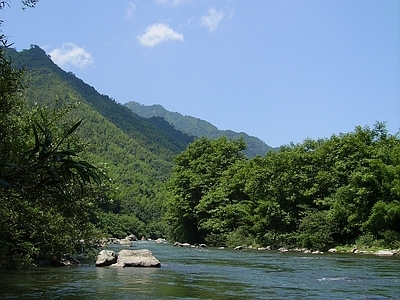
(198,127)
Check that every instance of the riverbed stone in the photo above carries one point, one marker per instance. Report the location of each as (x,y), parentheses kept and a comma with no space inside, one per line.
(106,258)
(385,253)
(65,261)
(131,237)
(125,242)
(118,265)
(137,258)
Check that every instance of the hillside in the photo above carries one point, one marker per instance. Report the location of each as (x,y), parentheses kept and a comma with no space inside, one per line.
(199,128)
(148,131)
(136,152)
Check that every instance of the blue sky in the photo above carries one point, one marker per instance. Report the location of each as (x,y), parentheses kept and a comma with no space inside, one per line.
(283,70)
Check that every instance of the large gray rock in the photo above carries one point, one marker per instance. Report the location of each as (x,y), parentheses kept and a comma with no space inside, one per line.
(106,258)
(137,258)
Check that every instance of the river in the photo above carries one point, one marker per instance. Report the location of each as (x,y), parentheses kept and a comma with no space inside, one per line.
(188,273)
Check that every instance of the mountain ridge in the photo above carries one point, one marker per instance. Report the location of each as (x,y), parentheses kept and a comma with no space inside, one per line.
(134,125)
(198,127)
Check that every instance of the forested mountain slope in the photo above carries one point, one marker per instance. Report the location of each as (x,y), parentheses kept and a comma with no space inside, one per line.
(162,140)
(197,127)
(136,153)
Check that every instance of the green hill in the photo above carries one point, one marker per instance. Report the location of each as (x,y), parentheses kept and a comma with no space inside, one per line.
(199,128)
(137,152)
(150,133)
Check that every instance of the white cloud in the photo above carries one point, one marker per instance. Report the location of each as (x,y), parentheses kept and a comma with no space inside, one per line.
(130,10)
(158,33)
(69,53)
(212,19)
(172,2)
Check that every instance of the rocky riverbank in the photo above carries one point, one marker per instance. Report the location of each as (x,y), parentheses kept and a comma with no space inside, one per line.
(354,250)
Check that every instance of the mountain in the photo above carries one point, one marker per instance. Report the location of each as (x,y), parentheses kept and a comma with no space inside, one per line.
(148,131)
(199,128)
(137,153)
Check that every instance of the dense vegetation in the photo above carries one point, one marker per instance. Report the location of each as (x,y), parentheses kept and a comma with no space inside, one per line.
(135,152)
(47,203)
(76,166)
(199,128)
(47,191)
(316,194)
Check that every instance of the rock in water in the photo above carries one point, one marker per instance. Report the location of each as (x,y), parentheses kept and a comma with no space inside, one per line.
(65,261)
(106,258)
(385,253)
(137,258)
(125,242)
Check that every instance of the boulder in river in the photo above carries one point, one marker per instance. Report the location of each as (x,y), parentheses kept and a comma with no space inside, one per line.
(137,258)
(106,258)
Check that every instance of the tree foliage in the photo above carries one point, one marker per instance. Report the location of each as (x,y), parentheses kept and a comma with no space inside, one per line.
(315,194)
(47,192)
(197,171)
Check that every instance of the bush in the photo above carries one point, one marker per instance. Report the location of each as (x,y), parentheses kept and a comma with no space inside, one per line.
(391,239)
(365,241)
(240,237)
(315,231)
(216,239)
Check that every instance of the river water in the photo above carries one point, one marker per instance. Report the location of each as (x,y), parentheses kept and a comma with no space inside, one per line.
(188,273)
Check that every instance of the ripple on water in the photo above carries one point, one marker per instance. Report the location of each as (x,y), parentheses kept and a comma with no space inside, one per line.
(215,274)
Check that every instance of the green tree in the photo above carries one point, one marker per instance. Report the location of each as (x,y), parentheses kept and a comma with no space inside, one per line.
(196,172)
(226,207)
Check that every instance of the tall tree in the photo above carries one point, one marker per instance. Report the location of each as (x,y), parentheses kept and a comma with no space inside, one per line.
(196,172)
